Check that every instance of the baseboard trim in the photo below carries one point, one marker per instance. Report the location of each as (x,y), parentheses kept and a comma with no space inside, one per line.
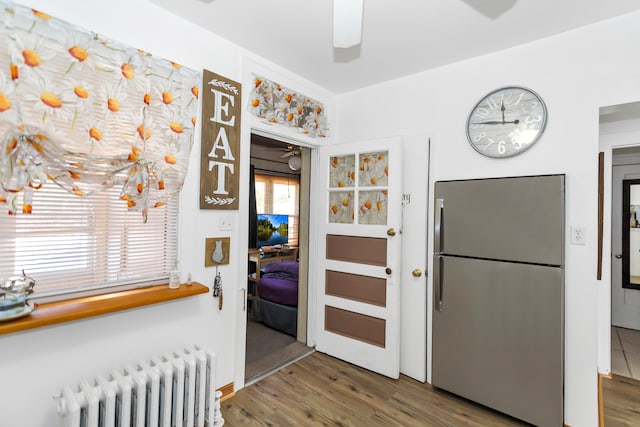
(227,391)
(601,377)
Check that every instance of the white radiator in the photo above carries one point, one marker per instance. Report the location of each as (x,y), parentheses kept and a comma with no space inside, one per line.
(173,390)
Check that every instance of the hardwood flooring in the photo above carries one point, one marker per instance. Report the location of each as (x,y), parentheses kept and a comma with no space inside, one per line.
(321,390)
(621,402)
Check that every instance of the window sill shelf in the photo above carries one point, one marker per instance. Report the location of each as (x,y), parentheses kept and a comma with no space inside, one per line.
(96,305)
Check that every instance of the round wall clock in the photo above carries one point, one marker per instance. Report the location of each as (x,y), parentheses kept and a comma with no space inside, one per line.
(506,122)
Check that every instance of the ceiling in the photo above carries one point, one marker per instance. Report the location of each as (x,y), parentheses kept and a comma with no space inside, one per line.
(400,37)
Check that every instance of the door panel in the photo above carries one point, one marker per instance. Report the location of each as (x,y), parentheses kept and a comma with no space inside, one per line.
(358,301)
(371,290)
(362,250)
(358,326)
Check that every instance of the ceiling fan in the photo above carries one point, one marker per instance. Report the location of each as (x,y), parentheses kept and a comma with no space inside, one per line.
(348,15)
(293,152)
(347,23)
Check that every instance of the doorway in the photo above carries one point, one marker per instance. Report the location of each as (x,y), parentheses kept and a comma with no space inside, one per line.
(619,141)
(277,256)
(625,246)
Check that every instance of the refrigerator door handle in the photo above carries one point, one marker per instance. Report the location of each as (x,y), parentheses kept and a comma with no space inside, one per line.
(437,233)
(437,282)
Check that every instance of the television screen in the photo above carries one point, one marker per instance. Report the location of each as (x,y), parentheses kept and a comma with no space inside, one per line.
(272,229)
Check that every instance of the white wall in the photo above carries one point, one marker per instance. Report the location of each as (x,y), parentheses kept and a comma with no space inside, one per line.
(575,73)
(35,364)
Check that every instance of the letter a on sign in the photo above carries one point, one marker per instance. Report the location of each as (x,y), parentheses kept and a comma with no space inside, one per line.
(220,148)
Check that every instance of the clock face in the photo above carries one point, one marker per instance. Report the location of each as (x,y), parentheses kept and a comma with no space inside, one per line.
(506,122)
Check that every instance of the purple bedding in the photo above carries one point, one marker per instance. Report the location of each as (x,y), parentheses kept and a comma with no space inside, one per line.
(279,283)
(278,288)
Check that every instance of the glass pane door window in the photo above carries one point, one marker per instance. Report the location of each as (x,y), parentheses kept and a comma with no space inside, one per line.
(359,194)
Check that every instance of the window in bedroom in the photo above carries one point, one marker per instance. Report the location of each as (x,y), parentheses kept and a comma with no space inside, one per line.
(279,195)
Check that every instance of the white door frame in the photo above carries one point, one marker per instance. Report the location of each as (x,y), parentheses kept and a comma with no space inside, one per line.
(241,321)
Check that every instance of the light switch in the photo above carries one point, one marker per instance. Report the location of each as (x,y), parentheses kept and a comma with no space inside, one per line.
(225,223)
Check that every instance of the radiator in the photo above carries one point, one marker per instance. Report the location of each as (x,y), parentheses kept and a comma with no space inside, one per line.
(172,390)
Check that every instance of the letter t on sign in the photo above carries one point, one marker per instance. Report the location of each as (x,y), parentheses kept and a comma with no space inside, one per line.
(220,142)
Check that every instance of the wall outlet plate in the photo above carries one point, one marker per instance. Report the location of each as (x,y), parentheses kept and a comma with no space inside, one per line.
(225,223)
(578,235)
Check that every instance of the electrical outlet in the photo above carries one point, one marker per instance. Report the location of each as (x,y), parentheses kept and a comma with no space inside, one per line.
(578,235)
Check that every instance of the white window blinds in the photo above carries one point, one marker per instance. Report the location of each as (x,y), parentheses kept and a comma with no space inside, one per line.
(75,243)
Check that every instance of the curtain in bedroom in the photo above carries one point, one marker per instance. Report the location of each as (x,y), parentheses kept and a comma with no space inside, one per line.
(253,211)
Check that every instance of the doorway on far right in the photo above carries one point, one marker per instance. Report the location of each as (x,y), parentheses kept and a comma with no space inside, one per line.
(625,268)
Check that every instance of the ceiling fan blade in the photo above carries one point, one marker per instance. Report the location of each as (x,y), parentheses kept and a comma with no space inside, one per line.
(288,154)
(347,22)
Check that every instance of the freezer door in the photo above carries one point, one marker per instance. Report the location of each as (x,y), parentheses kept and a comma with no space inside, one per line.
(517,219)
(498,337)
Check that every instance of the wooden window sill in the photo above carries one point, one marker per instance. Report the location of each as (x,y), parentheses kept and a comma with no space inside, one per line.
(96,305)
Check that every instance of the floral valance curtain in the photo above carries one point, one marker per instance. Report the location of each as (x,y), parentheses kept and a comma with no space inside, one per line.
(275,103)
(87,113)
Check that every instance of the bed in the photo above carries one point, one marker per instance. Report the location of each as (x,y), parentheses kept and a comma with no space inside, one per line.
(276,302)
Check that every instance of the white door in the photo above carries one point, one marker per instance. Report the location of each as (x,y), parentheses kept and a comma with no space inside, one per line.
(359,247)
(625,303)
(413,292)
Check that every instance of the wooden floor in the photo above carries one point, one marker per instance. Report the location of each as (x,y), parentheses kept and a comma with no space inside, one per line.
(321,390)
(621,402)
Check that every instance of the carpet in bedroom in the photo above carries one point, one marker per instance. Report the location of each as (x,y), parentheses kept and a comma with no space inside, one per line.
(268,349)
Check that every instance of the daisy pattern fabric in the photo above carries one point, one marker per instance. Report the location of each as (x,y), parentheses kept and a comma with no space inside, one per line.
(87,113)
(274,103)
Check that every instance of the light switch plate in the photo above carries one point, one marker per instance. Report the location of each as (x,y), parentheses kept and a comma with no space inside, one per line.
(578,235)
(225,223)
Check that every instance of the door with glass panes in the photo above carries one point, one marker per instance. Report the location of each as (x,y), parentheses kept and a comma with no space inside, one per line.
(358,300)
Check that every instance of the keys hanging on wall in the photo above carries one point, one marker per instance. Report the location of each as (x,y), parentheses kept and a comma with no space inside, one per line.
(217,289)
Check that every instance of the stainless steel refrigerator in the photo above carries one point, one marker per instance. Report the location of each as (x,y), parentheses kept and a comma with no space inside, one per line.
(498,318)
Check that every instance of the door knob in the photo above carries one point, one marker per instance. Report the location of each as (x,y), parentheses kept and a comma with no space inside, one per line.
(387,270)
(391,232)
(417,272)
(618,256)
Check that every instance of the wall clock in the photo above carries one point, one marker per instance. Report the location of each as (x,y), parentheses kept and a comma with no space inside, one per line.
(506,122)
